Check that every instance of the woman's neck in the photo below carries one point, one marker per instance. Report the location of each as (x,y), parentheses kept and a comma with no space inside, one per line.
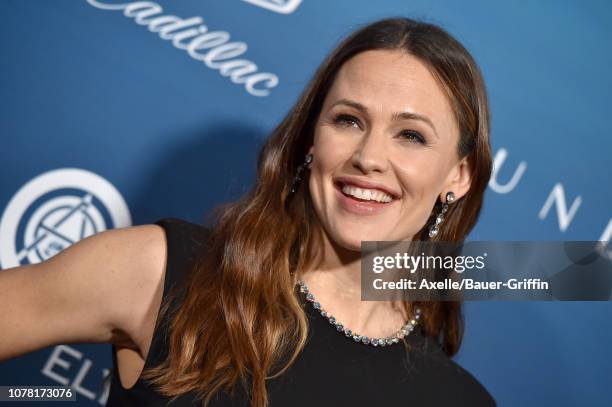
(335,280)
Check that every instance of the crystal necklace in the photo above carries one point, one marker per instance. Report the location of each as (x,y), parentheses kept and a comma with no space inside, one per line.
(388,340)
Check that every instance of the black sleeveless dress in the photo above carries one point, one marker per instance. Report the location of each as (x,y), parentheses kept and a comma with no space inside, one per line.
(333,370)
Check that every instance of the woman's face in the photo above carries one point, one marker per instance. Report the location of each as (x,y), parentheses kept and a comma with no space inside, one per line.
(387,136)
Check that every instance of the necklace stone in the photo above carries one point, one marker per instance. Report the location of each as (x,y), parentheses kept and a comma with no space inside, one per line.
(389,340)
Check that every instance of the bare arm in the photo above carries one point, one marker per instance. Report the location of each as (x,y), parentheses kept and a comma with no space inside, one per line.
(105,288)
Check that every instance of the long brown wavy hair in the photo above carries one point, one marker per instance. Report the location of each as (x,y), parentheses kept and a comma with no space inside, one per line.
(241,320)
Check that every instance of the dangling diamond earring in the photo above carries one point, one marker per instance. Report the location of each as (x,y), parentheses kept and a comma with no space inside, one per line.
(434,229)
(298,175)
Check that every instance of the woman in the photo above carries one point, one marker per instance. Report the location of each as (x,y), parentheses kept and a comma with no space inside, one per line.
(389,141)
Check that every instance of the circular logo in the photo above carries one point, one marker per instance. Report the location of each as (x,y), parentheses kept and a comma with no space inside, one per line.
(55,210)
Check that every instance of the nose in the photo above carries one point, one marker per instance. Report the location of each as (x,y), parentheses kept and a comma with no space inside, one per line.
(370,154)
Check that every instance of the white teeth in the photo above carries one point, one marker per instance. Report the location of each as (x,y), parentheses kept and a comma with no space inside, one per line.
(369,194)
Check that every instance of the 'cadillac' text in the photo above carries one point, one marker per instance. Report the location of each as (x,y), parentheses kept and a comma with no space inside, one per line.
(194,37)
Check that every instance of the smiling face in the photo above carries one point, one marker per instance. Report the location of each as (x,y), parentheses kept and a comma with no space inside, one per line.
(386,125)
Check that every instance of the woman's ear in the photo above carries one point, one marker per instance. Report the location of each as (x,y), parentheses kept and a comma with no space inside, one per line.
(459,180)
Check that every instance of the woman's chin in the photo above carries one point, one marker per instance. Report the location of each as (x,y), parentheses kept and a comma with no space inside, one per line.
(353,243)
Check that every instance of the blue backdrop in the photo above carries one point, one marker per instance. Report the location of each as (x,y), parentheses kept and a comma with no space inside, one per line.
(107,120)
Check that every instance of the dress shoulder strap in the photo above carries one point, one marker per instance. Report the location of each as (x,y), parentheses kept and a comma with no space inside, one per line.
(184,243)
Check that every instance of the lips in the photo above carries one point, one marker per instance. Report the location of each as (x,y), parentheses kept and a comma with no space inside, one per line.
(340,181)
(360,207)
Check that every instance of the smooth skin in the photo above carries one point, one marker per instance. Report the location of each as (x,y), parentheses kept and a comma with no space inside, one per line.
(108,288)
(414,157)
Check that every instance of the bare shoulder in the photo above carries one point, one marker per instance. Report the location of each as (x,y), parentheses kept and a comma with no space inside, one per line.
(135,265)
(105,288)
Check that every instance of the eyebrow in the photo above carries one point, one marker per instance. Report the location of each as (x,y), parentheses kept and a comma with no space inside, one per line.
(396,116)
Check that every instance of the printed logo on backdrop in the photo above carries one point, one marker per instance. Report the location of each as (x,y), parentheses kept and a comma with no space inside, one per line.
(213,48)
(54,210)
(278,6)
(556,198)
